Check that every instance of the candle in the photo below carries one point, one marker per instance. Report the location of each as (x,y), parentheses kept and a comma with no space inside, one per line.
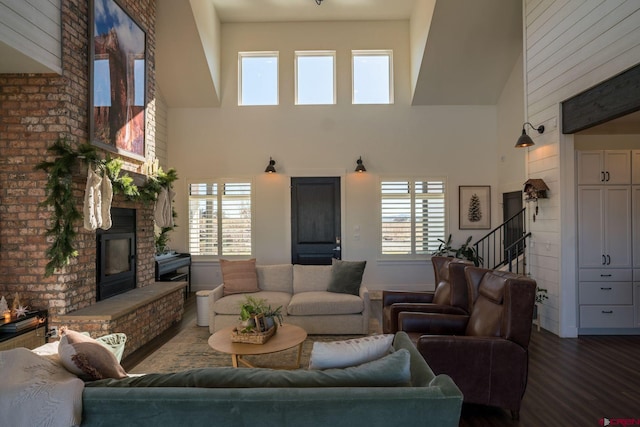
(7,316)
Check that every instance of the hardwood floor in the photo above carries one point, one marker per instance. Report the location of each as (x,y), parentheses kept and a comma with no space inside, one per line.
(572,381)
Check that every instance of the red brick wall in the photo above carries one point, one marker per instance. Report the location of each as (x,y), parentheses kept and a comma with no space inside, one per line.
(35,110)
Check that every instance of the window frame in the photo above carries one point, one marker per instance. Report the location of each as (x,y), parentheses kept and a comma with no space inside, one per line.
(373,52)
(412,196)
(315,53)
(220,224)
(258,54)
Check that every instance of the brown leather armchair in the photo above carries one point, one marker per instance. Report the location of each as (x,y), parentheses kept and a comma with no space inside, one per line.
(450,295)
(486,352)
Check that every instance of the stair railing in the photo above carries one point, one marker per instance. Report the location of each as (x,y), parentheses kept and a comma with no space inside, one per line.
(505,244)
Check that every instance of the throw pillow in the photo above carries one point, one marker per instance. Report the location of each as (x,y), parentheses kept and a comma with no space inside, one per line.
(355,351)
(85,357)
(346,276)
(239,277)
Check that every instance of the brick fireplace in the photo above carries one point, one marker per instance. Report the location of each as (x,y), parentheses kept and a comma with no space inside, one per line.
(35,110)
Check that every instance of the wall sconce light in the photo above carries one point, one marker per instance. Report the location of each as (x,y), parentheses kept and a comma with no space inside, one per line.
(360,168)
(525,140)
(270,167)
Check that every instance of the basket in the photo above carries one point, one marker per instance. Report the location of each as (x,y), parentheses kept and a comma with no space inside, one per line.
(253,337)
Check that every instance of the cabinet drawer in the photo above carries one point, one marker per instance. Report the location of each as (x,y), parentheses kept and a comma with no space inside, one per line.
(606,316)
(605,275)
(606,293)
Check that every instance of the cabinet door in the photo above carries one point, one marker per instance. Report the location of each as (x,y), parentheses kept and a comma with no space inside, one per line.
(590,229)
(617,167)
(604,226)
(635,166)
(635,221)
(590,167)
(617,226)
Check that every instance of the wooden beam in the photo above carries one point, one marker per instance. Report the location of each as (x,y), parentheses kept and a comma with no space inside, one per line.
(613,98)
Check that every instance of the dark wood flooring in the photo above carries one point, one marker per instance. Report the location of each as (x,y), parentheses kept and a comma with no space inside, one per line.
(572,381)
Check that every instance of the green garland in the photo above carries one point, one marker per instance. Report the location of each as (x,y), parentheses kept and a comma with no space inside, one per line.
(59,190)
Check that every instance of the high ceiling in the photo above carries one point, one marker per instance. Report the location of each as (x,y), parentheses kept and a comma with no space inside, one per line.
(470,52)
(308,10)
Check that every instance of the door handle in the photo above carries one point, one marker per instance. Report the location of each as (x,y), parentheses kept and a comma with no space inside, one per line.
(607,311)
(604,260)
(601,176)
(608,259)
(605,275)
(605,289)
(608,176)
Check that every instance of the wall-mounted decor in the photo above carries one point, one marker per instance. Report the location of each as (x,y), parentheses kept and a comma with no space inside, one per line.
(117,70)
(475,207)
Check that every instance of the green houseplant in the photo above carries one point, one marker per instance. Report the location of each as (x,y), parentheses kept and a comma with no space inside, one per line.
(465,251)
(252,306)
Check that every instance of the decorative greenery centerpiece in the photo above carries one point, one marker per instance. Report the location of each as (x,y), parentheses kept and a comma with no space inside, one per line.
(60,198)
(252,307)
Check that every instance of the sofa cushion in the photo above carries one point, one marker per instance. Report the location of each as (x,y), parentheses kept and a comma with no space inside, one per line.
(324,303)
(239,276)
(346,276)
(351,352)
(277,277)
(231,303)
(84,356)
(309,278)
(389,371)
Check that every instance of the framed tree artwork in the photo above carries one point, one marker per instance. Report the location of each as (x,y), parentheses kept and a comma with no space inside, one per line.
(118,80)
(475,207)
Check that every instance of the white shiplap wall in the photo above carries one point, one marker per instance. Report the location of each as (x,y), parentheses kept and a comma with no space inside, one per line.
(32,27)
(569,46)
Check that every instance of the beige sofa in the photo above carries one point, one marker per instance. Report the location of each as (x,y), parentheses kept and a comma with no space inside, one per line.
(301,290)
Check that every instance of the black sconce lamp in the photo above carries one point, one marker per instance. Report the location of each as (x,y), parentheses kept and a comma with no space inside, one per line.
(525,140)
(360,168)
(270,168)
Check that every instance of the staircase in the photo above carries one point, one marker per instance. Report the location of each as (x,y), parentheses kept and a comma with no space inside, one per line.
(503,248)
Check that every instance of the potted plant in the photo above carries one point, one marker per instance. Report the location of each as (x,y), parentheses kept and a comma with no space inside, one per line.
(272,315)
(249,308)
(541,295)
(465,251)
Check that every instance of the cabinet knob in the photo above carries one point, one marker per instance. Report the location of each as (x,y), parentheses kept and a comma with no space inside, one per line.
(607,311)
(605,275)
(605,289)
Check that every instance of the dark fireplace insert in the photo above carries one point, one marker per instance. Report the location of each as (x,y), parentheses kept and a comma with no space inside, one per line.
(116,255)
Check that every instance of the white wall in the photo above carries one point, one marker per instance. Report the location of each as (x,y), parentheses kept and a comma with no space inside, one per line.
(458,142)
(510,160)
(569,47)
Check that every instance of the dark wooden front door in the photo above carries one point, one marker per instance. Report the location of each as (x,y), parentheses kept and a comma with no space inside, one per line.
(315,220)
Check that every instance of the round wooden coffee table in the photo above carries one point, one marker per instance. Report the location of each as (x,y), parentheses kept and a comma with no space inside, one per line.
(286,337)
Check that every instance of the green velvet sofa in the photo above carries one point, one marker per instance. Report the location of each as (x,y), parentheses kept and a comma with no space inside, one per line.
(367,395)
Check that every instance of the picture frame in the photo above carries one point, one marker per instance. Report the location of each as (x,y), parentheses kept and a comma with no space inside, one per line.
(474,207)
(261,322)
(117,80)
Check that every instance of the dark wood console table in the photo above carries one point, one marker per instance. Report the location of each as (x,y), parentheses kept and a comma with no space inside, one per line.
(167,267)
(29,331)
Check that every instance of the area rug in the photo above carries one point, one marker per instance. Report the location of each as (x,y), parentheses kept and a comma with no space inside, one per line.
(189,349)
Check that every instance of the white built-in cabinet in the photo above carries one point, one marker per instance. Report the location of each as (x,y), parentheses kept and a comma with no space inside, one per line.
(608,238)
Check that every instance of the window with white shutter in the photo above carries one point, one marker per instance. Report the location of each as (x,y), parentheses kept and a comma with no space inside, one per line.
(220,218)
(413,215)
